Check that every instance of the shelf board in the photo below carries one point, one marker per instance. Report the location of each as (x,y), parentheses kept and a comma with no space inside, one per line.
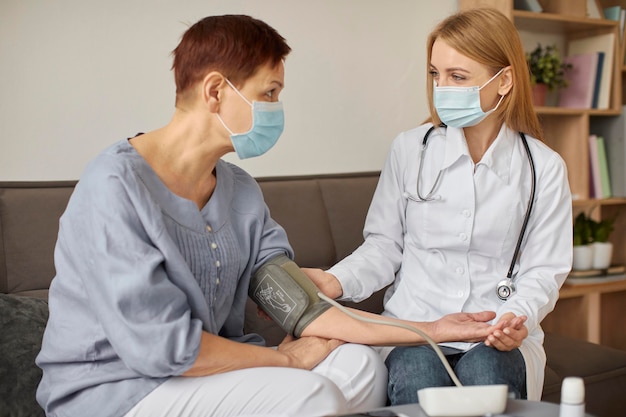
(611,284)
(564,111)
(558,23)
(599,202)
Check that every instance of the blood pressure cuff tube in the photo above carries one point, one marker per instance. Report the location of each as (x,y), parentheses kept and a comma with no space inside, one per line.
(286,294)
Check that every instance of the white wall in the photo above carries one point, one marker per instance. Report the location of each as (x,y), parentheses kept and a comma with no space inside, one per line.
(77,75)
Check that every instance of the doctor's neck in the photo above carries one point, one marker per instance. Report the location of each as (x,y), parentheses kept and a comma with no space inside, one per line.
(480,137)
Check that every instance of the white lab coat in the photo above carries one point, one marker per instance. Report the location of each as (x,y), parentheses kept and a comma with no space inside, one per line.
(447,255)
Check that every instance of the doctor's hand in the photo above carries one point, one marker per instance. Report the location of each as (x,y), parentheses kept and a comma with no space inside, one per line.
(463,327)
(325,281)
(509,334)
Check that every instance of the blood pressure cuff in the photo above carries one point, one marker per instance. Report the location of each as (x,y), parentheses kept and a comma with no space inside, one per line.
(286,294)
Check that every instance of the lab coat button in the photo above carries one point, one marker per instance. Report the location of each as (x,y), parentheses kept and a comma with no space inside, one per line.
(459,270)
(460,293)
(467,213)
(463,236)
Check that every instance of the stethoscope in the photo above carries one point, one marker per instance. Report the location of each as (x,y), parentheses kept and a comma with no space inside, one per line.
(506,287)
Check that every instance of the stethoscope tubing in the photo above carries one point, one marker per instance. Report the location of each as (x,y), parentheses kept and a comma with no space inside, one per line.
(529,207)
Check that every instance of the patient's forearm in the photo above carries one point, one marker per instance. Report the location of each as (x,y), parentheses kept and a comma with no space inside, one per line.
(335,324)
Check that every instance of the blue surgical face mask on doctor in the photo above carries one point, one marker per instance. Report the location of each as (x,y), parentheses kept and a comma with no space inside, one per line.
(268,121)
(460,106)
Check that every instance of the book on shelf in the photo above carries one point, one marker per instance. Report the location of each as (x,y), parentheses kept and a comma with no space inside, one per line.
(613,129)
(599,184)
(593,9)
(596,85)
(595,181)
(528,5)
(604,43)
(622,22)
(605,180)
(583,80)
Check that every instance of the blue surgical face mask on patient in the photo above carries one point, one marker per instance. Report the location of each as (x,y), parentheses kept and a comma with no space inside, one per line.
(268,121)
(460,106)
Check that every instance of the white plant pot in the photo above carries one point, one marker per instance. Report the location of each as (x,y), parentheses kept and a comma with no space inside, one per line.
(583,257)
(602,254)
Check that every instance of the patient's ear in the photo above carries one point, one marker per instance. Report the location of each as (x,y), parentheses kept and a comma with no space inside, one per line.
(213,85)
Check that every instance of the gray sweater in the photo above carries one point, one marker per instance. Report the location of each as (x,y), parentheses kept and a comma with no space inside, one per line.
(140,272)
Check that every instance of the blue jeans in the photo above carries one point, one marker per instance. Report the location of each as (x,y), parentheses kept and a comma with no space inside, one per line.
(412,368)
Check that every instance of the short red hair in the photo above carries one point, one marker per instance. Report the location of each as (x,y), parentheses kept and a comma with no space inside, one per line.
(235,45)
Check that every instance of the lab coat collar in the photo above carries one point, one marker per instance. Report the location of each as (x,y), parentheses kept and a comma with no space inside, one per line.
(497,158)
(456,146)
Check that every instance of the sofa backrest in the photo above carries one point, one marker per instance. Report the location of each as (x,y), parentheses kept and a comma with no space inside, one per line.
(29,223)
(322,214)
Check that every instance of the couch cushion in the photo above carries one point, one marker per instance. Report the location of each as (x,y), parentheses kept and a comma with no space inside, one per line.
(602,368)
(29,223)
(347,199)
(22,322)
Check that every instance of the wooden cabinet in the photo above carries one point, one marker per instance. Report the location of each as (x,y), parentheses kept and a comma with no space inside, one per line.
(593,312)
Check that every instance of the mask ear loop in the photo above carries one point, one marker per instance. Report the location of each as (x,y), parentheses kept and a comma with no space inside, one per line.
(487,113)
(239,92)
(488,81)
(240,95)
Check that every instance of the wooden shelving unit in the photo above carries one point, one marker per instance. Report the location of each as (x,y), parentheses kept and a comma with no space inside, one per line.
(596,311)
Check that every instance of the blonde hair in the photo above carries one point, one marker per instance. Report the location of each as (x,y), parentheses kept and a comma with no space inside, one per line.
(489,38)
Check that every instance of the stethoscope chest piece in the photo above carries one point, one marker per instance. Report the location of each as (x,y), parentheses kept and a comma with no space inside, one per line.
(505,289)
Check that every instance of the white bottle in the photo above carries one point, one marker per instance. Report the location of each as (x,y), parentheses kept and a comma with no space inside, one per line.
(572,397)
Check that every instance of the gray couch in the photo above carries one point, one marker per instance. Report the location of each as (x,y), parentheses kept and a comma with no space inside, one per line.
(323,216)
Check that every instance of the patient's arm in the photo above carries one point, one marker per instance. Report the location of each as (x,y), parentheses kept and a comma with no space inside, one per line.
(292,300)
(466,327)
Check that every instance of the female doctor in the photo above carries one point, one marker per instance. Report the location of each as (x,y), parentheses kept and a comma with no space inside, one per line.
(452,203)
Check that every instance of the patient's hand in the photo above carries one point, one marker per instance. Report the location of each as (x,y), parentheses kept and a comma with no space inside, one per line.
(464,327)
(325,281)
(307,352)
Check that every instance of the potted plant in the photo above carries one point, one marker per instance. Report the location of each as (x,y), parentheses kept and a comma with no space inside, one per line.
(602,248)
(592,249)
(547,71)
(583,249)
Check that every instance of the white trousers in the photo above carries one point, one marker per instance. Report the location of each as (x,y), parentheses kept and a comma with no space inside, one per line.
(352,378)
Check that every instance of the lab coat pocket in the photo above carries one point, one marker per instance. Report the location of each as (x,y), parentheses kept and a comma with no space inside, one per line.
(499,233)
(424,227)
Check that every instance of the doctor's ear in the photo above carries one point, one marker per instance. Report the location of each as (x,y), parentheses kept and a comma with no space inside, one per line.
(506,81)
